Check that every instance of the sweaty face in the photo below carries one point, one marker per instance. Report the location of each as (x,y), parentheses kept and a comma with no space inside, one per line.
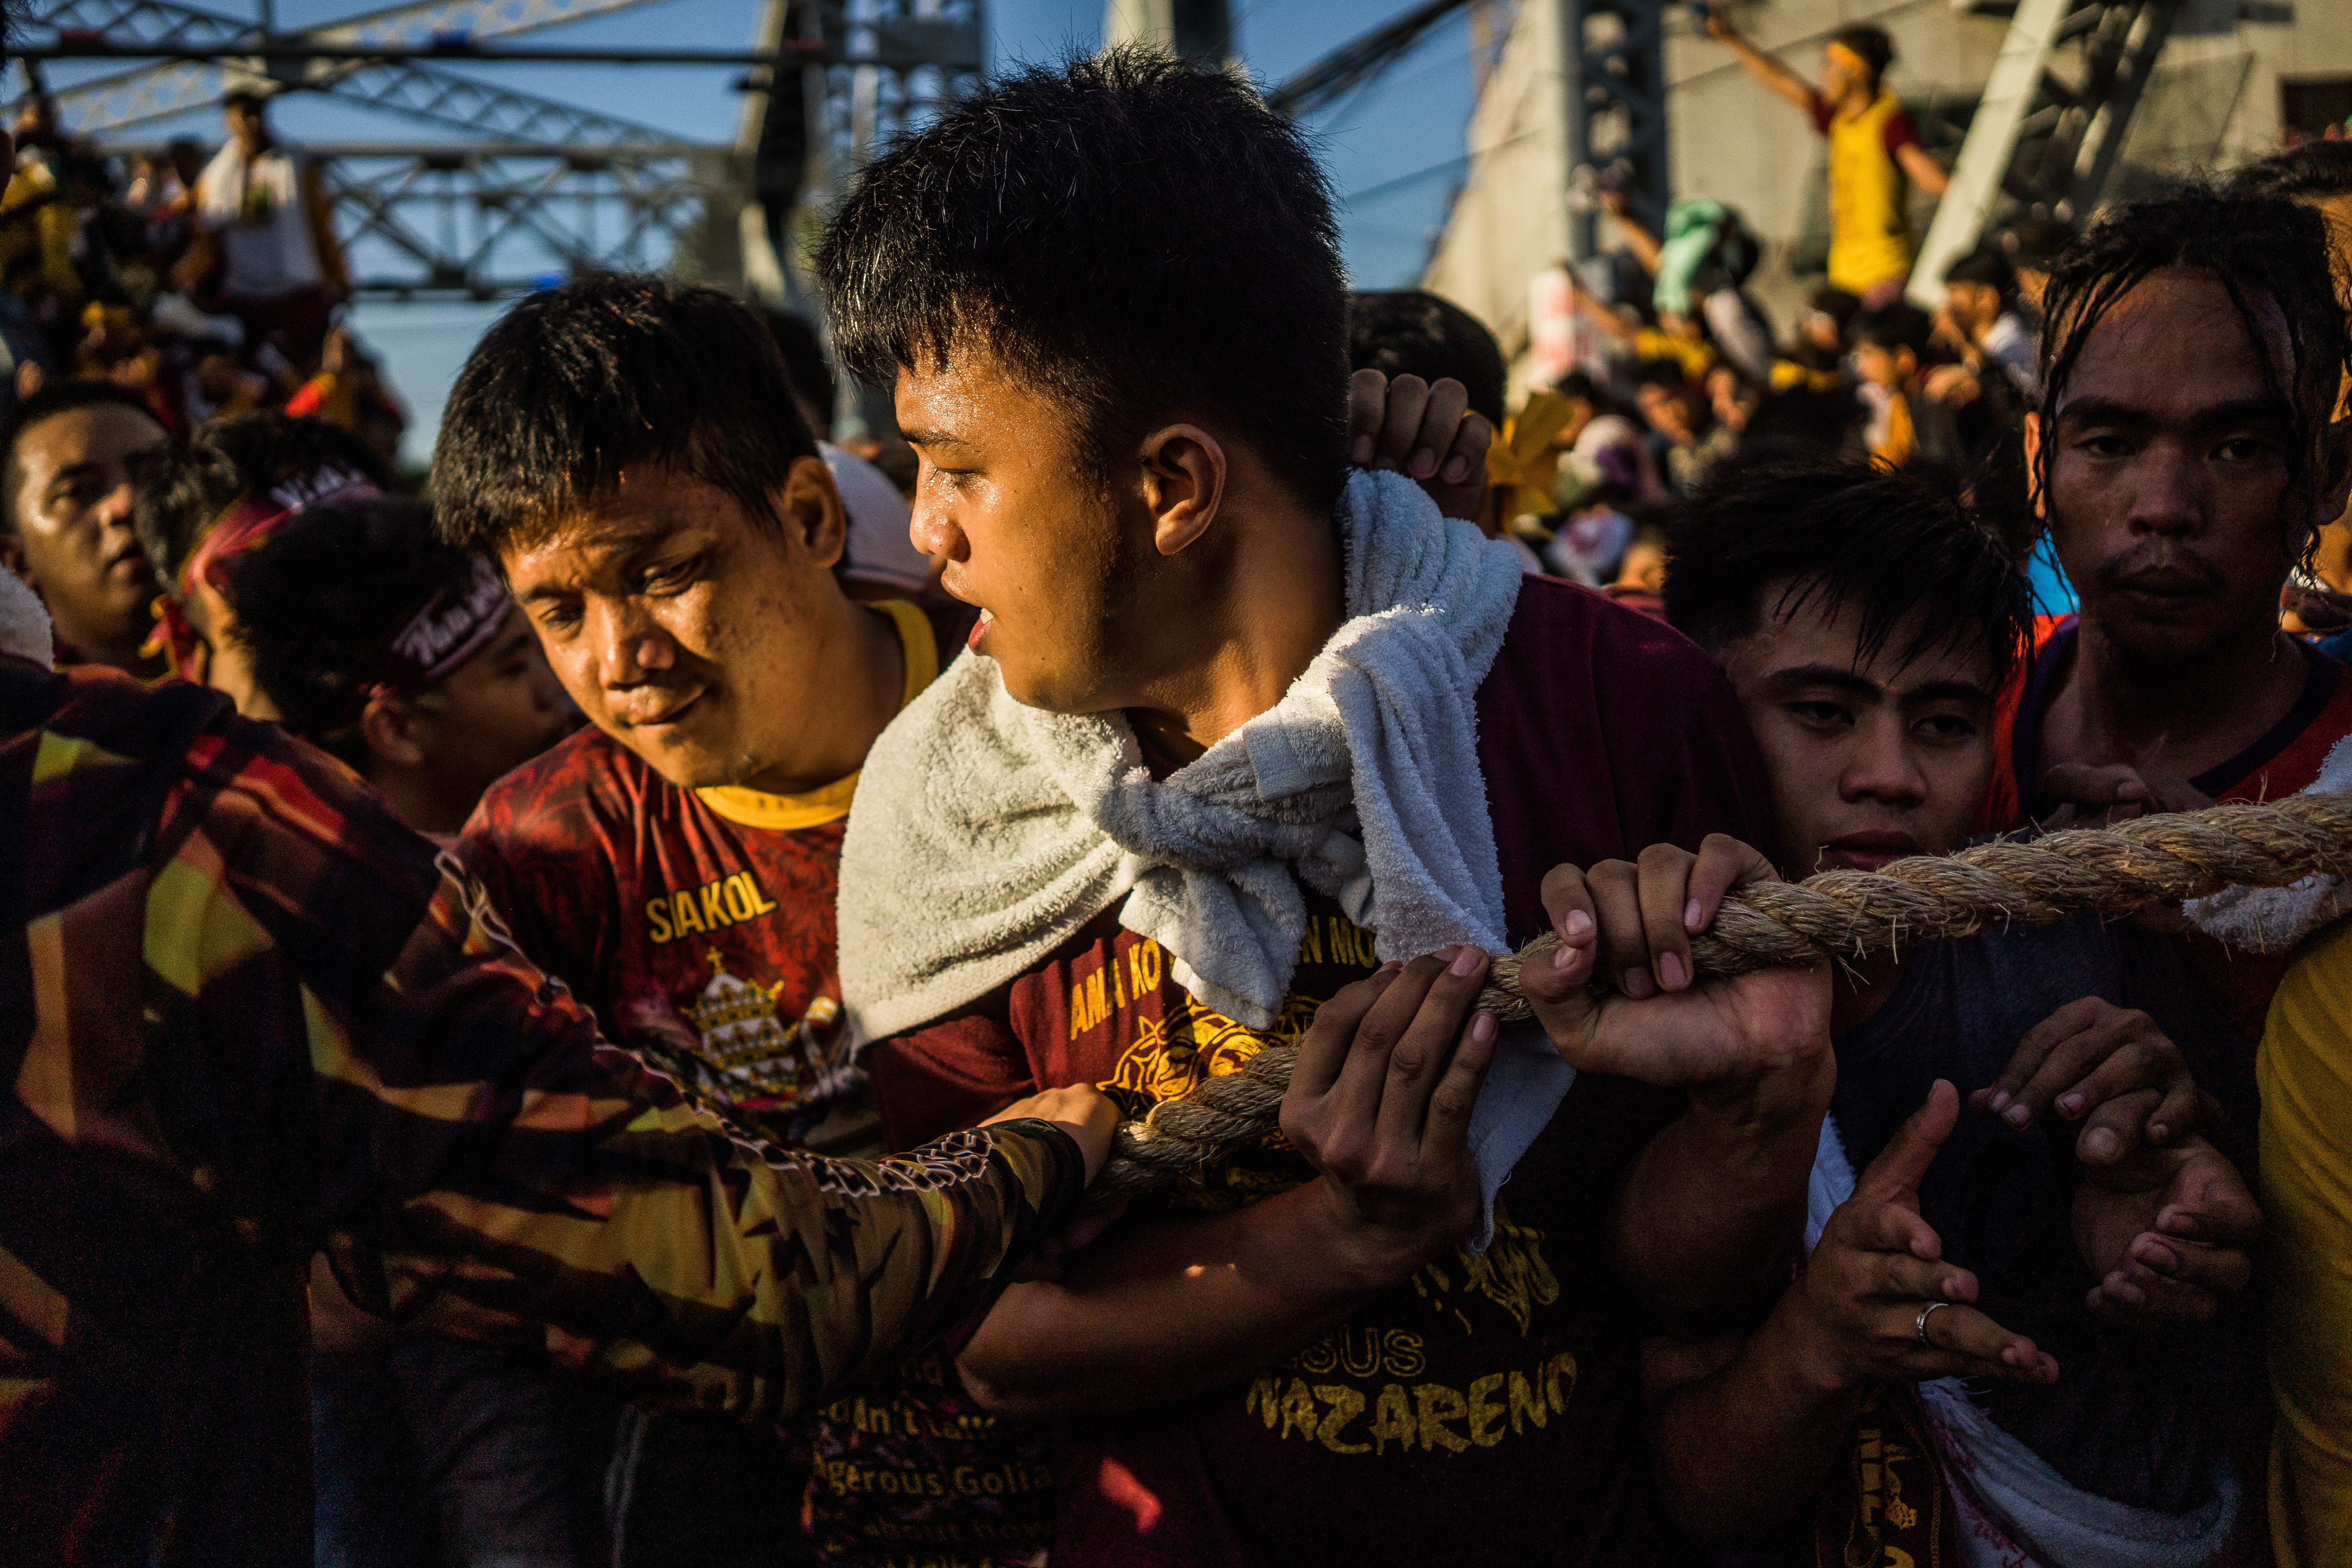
(72,508)
(1030,535)
(2168,472)
(1870,759)
(682,628)
(495,712)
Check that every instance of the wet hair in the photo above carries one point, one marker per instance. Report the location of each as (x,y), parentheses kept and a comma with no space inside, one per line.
(805,361)
(1803,422)
(317,601)
(1984,266)
(178,491)
(1869,44)
(619,370)
(2260,247)
(2035,244)
(57,398)
(2310,173)
(1413,333)
(1135,236)
(1893,546)
(1898,324)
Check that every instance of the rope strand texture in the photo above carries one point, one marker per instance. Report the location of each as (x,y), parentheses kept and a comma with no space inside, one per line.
(1837,914)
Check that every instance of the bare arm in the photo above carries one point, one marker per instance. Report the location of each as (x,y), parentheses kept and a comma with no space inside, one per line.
(1638,238)
(1924,171)
(1708,1217)
(1761,65)
(1161,1312)
(1742,1440)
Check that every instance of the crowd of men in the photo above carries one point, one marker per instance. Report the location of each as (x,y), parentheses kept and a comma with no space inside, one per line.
(576,1022)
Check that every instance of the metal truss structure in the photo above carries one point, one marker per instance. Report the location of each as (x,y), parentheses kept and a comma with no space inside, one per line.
(2050,128)
(536,186)
(1616,76)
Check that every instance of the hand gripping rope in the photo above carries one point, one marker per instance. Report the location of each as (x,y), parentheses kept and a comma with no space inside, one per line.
(1838,914)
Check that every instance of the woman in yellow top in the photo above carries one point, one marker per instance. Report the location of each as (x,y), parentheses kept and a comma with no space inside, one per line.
(1873,150)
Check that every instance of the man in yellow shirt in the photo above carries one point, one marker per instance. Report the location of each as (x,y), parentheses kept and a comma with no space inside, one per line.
(1874,151)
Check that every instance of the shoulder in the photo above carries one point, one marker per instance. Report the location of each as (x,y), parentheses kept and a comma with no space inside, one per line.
(1899,131)
(1564,635)
(585,781)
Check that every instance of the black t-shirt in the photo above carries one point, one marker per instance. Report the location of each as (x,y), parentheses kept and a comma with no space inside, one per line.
(2129,1418)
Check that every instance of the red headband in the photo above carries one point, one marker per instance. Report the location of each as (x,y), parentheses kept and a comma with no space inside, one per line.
(245,524)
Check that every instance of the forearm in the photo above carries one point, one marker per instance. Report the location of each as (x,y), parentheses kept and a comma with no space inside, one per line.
(1742,1449)
(1765,68)
(1713,1208)
(723,1277)
(1158,1312)
(1642,242)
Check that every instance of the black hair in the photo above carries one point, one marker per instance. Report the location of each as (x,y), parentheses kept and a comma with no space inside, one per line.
(1898,324)
(2260,247)
(316,603)
(1871,45)
(1803,422)
(1132,234)
(1413,333)
(57,398)
(2313,171)
(1892,545)
(617,371)
(805,361)
(1986,266)
(178,491)
(245,98)
(1666,374)
(2035,244)
(1578,386)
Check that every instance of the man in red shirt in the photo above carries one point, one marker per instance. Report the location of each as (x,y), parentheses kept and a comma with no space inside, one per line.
(627,451)
(1235,734)
(2183,453)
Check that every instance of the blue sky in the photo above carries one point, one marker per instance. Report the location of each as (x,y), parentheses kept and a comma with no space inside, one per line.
(1399,145)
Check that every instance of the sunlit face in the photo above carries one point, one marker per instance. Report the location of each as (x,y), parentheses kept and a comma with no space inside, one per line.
(72,515)
(1059,564)
(1666,411)
(2168,473)
(1870,760)
(1887,368)
(684,630)
(1841,74)
(493,713)
(1973,305)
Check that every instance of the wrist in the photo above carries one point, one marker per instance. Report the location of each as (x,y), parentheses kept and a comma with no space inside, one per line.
(1806,1351)
(1792,1085)
(1360,1257)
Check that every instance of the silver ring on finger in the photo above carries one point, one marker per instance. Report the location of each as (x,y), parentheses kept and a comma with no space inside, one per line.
(1920,1328)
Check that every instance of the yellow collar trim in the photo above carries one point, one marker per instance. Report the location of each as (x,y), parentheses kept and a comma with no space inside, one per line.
(830,803)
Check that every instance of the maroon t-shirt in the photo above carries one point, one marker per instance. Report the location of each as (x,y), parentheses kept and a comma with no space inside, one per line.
(1492,1405)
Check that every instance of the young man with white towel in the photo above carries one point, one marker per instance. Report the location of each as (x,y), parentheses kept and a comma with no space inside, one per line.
(1232,735)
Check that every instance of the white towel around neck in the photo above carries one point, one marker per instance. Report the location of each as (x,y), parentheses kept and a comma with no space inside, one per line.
(985,834)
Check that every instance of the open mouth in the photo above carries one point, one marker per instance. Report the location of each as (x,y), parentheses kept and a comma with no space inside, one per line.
(1868,851)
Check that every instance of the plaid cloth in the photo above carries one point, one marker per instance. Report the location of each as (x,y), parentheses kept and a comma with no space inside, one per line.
(252,1016)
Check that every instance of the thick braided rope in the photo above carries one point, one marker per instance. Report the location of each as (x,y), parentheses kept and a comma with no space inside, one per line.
(1840,914)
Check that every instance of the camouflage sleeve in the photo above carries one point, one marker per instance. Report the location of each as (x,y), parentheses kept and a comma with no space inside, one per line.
(496,1170)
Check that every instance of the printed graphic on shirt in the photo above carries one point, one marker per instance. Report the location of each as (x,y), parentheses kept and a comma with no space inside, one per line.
(916,1476)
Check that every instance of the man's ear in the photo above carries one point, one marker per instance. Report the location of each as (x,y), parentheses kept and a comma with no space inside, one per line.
(388,726)
(2034,464)
(810,507)
(2336,478)
(12,556)
(1183,484)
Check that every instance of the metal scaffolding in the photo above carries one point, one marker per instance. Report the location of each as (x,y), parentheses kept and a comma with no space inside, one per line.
(536,186)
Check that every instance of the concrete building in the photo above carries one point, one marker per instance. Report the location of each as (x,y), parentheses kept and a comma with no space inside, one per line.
(2233,76)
